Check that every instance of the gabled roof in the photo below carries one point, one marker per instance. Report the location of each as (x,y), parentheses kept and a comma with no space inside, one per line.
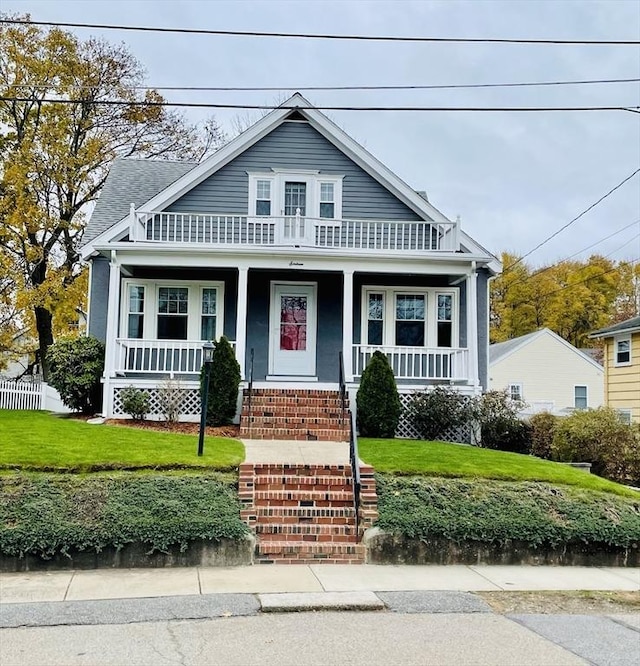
(628,326)
(195,174)
(501,350)
(131,181)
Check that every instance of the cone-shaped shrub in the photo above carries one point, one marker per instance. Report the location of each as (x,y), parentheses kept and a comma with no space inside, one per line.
(378,402)
(224,381)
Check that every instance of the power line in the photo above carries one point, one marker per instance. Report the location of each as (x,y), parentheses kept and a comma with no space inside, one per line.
(332,36)
(526,278)
(271,107)
(575,219)
(451,86)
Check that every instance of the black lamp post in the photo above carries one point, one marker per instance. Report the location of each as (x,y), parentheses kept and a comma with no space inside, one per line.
(207,357)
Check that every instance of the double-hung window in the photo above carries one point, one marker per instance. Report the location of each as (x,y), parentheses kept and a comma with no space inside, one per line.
(515,391)
(173,313)
(135,312)
(622,350)
(263,197)
(208,313)
(327,200)
(580,400)
(397,317)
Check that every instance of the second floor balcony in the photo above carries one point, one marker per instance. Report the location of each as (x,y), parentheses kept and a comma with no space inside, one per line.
(295,231)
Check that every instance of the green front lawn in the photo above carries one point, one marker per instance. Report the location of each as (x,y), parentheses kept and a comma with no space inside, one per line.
(40,441)
(409,457)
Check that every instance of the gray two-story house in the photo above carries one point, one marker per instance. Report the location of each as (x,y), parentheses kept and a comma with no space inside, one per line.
(296,244)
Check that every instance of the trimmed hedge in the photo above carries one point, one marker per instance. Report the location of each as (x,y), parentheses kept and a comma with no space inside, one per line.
(499,511)
(47,514)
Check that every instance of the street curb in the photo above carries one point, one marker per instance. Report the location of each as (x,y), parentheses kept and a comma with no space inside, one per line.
(292,602)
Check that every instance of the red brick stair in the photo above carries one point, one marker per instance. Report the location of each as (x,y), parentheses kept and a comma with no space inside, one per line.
(304,514)
(294,414)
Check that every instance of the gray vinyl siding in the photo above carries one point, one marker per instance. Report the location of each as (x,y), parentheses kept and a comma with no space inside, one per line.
(98,298)
(293,145)
(483,328)
(329,320)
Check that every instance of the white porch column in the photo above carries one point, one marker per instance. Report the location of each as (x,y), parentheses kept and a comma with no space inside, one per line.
(110,356)
(472,325)
(347,325)
(241,319)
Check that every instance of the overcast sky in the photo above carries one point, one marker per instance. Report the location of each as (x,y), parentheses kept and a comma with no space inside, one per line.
(513,178)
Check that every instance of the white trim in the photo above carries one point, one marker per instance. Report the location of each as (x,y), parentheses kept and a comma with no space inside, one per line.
(472,325)
(617,339)
(241,319)
(347,324)
(330,131)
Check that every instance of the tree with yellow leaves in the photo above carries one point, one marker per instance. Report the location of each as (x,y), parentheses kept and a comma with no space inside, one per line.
(67,108)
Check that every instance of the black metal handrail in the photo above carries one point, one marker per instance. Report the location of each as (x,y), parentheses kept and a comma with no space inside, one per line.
(250,389)
(354,457)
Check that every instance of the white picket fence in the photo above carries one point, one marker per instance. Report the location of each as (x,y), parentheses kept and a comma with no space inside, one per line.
(30,395)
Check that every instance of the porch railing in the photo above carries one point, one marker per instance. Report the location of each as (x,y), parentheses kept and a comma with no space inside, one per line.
(159,356)
(417,362)
(242,230)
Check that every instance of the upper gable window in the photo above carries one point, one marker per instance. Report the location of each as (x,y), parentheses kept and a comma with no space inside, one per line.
(622,351)
(282,192)
(263,197)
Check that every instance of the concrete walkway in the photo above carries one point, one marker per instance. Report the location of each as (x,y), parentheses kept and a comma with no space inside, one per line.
(260,579)
(294,452)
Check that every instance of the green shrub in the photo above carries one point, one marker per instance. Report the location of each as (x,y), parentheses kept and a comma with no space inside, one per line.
(543,428)
(432,413)
(135,402)
(501,511)
(378,403)
(75,369)
(224,382)
(48,514)
(500,426)
(599,437)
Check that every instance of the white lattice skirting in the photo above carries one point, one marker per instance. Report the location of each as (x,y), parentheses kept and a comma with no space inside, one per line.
(188,406)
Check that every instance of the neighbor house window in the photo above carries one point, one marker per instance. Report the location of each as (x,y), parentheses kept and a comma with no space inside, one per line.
(173,313)
(580,397)
(622,350)
(515,392)
(624,415)
(135,312)
(263,197)
(327,200)
(208,314)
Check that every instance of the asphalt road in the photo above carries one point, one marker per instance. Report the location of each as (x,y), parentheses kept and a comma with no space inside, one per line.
(417,628)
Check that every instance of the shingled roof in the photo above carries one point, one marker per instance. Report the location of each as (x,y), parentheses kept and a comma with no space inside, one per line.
(626,326)
(131,181)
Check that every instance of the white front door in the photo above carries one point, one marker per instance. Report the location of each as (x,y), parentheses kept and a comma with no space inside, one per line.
(292,330)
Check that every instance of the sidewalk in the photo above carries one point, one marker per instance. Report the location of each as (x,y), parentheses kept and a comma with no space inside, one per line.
(262,579)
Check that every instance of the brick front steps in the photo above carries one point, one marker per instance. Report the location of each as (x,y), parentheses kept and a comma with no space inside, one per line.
(294,414)
(304,514)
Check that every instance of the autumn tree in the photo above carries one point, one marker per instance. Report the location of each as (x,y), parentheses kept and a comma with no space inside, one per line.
(68,107)
(572,298)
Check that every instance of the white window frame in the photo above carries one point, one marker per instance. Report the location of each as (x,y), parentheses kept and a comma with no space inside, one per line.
(625,414)
(127,311)
(194,306)
(519,387)
(431,314)
(616,341)
(586,396)
(313,180)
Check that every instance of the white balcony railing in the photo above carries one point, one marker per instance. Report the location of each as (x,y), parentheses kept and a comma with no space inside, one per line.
(160,356)
(417,362)
(241,230)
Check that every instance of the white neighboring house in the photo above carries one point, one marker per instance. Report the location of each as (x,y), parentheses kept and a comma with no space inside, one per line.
(546,372)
